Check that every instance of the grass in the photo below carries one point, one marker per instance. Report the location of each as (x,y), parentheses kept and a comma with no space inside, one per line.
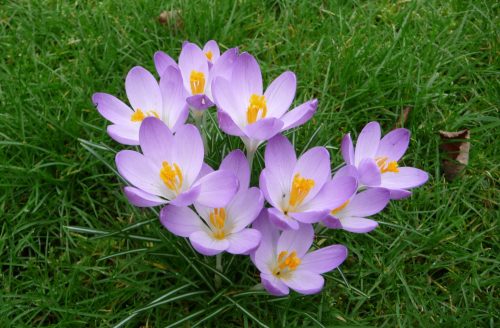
(74,253)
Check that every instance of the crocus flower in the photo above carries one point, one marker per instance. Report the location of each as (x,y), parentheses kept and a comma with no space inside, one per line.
(376,160)
(165,101)
(300,190)
(351,215)
(198,68)
(170,169)
(284,261)
(246,111)
(214,230)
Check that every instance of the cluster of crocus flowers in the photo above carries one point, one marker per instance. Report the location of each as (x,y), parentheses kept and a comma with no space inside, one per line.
(219,210)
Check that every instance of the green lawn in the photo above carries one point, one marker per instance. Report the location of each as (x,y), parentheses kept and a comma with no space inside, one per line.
(74,253)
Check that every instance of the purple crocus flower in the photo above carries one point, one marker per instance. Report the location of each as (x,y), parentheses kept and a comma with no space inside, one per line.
(165,101)
(246,111)
(198,68)
(376,160)
(170,169)
(351,215)
(284,261)
(223,228)
(300,190)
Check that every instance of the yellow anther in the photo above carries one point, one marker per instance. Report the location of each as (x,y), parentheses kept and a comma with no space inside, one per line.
(197,82)
(209,55)
(257,105)
(171,176)
(139,115)
(340,208)
(300,189)
(218,219)
(385,166)
(286,263)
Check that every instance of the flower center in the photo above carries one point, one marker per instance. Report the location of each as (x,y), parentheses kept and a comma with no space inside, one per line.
(340,208)
(257,105)
(209,55)
(171,176)
(286,263)
(197,82)
(139,115)
(385,166)
(300,189)
(218,219)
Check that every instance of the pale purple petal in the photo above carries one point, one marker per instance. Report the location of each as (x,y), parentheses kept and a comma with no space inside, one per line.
(282,221)
(112,108)
(324,259)
(314,164)
(192,59)
(367,144)
(246,77)
(180,221)
(299,115)
(143,91)
(199,102)
(368,202)
(333,194)
(174,96)
(280,93)
(296,240)
(244,208)
(188,152)
(227,124)
(399,193)
(332,222)
(140,198)
(207,245)
(347,171)
(187,197)
(205,169)
(244,241)
(263,129)
(305,282)
(394,144)
(124,134)
(236,162)
(229,101)
(311,216)
(358,225)
(369,173)
(217,188)
(162,62)
(265,254)
(273,285)
(222,68)
(406,178)
(213,47)
(140,172)
(280,160)
(156,140)
(270,185)
(347,149)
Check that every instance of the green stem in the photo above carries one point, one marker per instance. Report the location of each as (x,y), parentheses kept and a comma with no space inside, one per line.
(200,122)
(218,266)
(250,156)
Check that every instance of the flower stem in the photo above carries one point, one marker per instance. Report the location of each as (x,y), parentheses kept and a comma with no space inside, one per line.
(200,122)
(250,156)
(218,266)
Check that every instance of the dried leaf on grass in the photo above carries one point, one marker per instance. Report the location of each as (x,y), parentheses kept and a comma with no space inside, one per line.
(455,147)
(172,18)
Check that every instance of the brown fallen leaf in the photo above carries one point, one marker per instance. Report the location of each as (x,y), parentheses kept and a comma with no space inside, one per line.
(455,147)
(403,118)
(172,18)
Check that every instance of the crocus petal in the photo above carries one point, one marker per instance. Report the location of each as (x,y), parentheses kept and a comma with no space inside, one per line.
(332,222)
(271,188)
(188,197)
(162,62)
(280,93)
(367,144)
(305,282)
(281,221)
(269,239)
(399,193)
(227,124)
(112,108)
(347,171)
(213,47)
(188,152)
(140,171)
(333,194)
(174,96)
(246,77)
(368,202)
(296,240)
(229,101)
(394,144)
(244,241)
(314,164)
(273,285)
(369,173)
(192,59)
(237,163)
(347,149)
(207,245)
(299,115)
(324,259)
(222,68)
(406,178)
(244,208)
(199,102)
(217,188)
(124,134)
(143,91)
(280,160)
(263,129)
(358,225)
(156,140)
(141,198)
(180,221)
(309,216)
